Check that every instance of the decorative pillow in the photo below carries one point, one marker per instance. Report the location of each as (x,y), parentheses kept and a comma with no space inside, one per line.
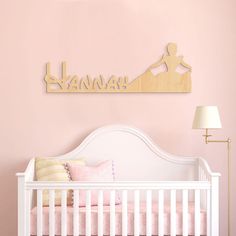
(49,169)
(100,173)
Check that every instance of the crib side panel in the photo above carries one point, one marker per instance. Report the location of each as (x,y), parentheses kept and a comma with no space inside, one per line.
(142,217)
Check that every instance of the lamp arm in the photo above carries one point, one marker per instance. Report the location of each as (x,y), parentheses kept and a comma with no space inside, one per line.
(219,141)
(207,140)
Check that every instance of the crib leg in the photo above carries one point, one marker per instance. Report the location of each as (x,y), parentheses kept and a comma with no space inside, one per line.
(215,206)
(21,205)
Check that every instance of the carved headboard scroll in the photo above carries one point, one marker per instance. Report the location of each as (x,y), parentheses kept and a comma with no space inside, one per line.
(135,155)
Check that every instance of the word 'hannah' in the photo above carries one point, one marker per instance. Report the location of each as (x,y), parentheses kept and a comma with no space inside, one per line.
(169,80)
(68,83)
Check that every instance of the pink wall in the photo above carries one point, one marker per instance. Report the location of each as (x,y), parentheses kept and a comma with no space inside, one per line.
(111,37)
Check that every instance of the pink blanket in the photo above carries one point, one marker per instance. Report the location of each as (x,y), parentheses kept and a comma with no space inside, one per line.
(106,222)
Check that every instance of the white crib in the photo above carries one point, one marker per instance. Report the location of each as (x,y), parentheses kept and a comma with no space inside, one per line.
(156,176)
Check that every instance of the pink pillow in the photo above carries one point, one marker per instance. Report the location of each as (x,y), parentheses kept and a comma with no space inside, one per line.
(100,173)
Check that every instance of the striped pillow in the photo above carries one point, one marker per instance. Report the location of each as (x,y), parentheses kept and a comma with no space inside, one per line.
(48,169)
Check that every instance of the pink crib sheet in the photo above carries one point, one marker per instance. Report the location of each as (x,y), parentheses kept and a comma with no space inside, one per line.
(106,221)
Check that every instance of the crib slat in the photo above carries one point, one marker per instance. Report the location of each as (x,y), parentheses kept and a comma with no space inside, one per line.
(76,213)
(161,212)
(124,213)
(64,212)
(208,211)
(173,213)
(112,213)
(100,213)
(28,209)
(88,213)
(136,212)
(185,212)
(39,213)
(197,212)
(149,212)
(51,212)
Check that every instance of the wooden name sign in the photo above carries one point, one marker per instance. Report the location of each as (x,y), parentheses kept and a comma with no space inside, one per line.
(168,80)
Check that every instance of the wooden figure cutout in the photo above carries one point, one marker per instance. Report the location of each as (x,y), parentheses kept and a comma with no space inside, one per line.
(169,80)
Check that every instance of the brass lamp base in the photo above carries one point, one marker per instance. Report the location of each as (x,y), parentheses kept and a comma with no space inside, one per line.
(228,141)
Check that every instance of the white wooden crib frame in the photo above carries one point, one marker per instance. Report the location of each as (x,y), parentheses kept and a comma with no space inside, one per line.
(203,179)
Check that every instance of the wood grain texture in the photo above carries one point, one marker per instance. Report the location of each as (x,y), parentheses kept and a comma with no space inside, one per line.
(169,80)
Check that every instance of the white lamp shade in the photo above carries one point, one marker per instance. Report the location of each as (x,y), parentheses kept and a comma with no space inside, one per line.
(206,117)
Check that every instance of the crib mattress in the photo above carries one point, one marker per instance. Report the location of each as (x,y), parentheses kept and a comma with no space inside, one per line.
(118,217)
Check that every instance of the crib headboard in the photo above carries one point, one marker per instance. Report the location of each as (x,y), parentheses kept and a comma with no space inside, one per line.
(135,155)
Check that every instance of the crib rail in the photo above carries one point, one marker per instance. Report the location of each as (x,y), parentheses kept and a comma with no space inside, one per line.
(119,185)
(153,191)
